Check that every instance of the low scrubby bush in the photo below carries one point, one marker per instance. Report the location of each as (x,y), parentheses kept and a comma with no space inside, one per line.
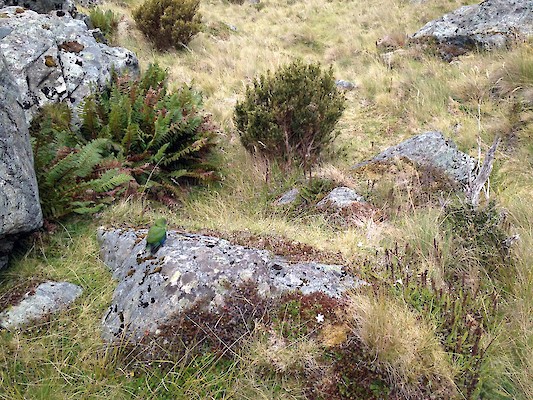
(168,23)
(480,236)
(289,116)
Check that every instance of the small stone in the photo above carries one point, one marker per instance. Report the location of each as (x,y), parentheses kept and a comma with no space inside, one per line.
(288,197)
(346,85)
(49,298)
(341,197)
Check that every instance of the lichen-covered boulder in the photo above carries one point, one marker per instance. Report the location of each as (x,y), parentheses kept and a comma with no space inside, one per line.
(488,25)
(191,270)
(55,58)
(41,6)
(48,298)
(433,150)
(20,211)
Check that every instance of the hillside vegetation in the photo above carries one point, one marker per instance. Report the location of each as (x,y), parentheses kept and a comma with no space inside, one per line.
(449,314)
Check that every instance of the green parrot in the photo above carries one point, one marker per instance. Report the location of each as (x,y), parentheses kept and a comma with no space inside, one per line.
(157,235)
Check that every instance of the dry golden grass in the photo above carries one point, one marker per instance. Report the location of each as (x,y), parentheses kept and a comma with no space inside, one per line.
(402,342)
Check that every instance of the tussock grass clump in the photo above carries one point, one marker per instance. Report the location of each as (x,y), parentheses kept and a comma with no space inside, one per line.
(169,23)
(403,344)
(515,78)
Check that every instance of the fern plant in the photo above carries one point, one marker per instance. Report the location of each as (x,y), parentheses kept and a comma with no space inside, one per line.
(133,137)
(71,174)
(162,137)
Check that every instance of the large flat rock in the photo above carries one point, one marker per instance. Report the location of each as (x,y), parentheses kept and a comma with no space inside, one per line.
(191,270)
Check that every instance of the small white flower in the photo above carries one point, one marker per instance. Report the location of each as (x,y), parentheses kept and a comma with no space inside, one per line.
(319,318)
(359,244)
(399,281)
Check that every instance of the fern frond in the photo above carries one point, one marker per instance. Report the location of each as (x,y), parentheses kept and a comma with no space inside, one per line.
(89,157)
(178,155)
(109,181)
(157,157)
(61,169)
(86,207)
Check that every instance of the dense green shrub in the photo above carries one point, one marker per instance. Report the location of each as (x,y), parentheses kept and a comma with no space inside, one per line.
(133,137)
(289,116)
(106,21)
(168,23)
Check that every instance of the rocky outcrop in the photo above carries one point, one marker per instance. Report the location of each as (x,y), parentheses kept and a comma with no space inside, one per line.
(55,57)
(433,150)
(20,211)
(488,25)
(48,298)
(191,270)
(41,6)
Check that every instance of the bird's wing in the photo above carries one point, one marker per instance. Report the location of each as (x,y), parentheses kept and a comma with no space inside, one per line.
(156,234)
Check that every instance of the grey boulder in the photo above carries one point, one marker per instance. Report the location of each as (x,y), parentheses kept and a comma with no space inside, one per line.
(340,197)
(41,6)
(55,58)
(195,270)
(48,298)
(488,25)
(288,197)
(431,149)
(20,211)
(344,85)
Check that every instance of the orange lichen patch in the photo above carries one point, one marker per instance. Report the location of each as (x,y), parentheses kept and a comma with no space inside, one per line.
(19,10)
(49,61)
(334,334)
